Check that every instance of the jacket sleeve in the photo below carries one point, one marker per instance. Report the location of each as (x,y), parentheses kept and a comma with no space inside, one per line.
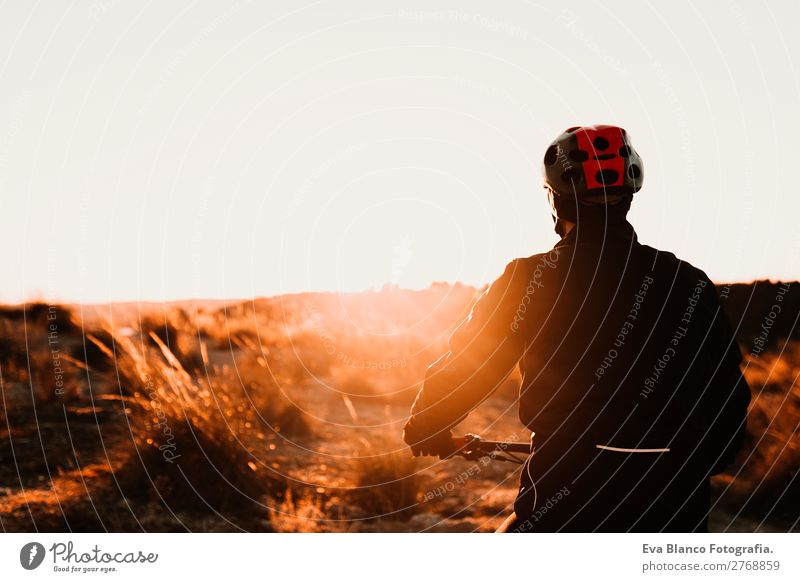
(727,396)
(484,349)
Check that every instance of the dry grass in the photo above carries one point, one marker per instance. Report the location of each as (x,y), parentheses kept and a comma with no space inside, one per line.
(284,415)
(765,484)
(198,440)
(388,484)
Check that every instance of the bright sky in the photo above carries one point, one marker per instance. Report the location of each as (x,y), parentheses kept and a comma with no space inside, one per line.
(167,150)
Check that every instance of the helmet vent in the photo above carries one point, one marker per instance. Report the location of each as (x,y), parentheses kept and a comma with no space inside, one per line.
(634,171)
(625,151)
(607,177)
(579,155)
(600,143)
(551,155)
(572,175)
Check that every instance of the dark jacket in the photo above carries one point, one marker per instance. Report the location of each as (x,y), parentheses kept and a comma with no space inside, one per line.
(619,345)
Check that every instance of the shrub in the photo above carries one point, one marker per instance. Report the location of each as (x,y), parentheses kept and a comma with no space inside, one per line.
(194,448)
(387,486)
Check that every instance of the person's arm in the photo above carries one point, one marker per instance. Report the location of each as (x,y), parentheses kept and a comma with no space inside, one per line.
(727,396)
(483,350)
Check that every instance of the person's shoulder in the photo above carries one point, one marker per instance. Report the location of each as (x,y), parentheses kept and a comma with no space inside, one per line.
(669,261)
(545,260)
(521,271)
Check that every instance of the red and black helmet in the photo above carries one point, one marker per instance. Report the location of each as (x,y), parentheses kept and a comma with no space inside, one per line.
(593,160)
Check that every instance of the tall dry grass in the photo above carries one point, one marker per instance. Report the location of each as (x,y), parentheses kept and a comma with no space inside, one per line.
(765,482)
(200,440)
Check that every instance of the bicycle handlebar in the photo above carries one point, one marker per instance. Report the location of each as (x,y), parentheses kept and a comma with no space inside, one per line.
(472,447)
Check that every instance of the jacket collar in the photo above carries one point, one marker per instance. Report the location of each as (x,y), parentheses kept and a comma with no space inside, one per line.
(608,231)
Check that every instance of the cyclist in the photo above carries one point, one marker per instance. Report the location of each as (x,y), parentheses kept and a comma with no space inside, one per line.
(630,370)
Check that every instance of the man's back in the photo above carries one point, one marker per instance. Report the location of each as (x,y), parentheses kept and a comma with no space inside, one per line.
(626,347)
(623,349)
